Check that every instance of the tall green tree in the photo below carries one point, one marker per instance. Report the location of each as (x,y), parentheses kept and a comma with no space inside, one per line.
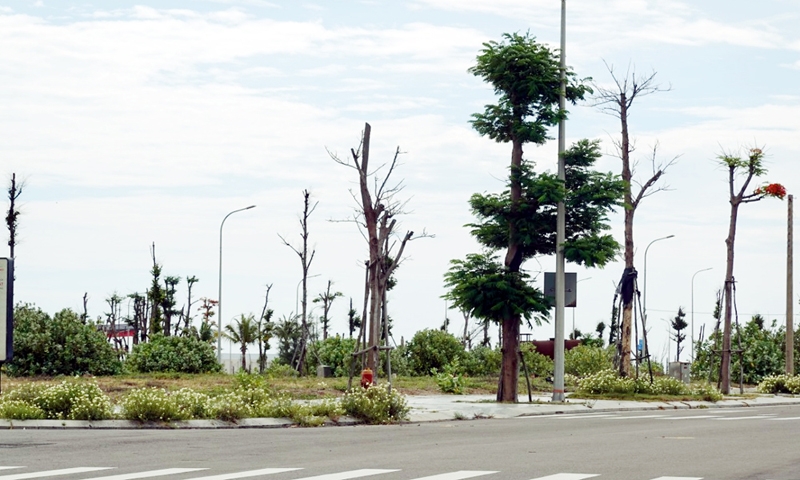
(244,332)
(679,324)
(526,76)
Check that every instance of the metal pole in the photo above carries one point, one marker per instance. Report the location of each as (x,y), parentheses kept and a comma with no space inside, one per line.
(692,332)
(219,283)
(644,273)
(558,354)
(790,289)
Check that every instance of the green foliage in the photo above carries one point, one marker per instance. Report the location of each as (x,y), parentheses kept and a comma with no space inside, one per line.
(276,369)
(400,361)
(243,332)
(152,405)
(780,384)
(526,76)
(68,400)
(485,289)
(336,352)
(173,354)
(289,333)
(588,196)
(585,360)
(430,349)
(375,405)
(482,361)
(61,345)
(538,365)
(764,353)
(450,379)
(607,382)
(19,410)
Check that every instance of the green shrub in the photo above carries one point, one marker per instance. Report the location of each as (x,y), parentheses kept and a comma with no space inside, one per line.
(20,410)
(450,379)
(585,360)
(61,345)
(430,349)
(482,361)
(173,354)
(780,384)
(400,364)
(606,381)
(230,406)
(707,392)
(74,400)
(538,364)
(609,382)
(276,369)
(375,405)
(152,405)
(334,352)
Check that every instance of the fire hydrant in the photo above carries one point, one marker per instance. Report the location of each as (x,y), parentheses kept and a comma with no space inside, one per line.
(366,378)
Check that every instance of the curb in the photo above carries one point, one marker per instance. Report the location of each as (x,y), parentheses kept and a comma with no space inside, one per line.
(179,425)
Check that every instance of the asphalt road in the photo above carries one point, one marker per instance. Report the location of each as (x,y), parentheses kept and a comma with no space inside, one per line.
(741,443)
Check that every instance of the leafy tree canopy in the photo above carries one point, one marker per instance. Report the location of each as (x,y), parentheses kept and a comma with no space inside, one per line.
(589,196)
(527,77)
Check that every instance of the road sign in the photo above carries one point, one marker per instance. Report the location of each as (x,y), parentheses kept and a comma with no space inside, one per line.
(570,288)
(6,309)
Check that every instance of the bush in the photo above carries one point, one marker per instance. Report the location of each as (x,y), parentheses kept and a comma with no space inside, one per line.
(152,405)
(19,410)
(173,354)
(450,379)
(538,364)
(375,404)
(609,382)
(400,363)
(61,345)
(482,361)
(780,384)
(334,352)
(68,400)
(276,369)
(585,360)
(430,349)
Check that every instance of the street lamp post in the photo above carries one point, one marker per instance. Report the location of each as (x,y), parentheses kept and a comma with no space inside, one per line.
(692,332)
(219,283)
(297,293)
(644,273)
(573,308)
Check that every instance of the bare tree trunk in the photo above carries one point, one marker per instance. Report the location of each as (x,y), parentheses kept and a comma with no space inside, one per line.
(725,366)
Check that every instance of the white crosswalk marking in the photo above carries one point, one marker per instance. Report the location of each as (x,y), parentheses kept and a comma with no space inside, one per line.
(567,476)
(754,417)
(52,473)
(590,415)
(636,416)
(460,475)
(784,418)
(247,474)
(150,474)
(678,478)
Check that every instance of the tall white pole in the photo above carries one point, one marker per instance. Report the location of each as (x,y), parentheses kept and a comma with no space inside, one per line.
(692,332)
(644,290)
(790,289)
(558,351)
(219,283)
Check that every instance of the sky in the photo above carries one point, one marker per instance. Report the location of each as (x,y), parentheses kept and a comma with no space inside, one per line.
(141,123)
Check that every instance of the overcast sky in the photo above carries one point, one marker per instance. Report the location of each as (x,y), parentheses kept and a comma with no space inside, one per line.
(147,122)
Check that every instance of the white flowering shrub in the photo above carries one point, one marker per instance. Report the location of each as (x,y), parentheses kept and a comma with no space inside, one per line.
(74,400)
(780,384)
(20,410)
(375,404)
(606,381)
(707,392)
(152,405)
(609,382)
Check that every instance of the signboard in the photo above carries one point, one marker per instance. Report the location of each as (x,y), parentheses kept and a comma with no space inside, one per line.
(570,288)
(6,309)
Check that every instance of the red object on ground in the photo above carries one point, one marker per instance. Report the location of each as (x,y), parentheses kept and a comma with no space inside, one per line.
(547,347)
(366,378)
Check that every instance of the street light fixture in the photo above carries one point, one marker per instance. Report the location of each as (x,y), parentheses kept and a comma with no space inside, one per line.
(695,274)
(219,293)
(644,273)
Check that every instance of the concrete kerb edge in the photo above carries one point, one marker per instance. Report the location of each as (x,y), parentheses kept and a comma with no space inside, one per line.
(179,425)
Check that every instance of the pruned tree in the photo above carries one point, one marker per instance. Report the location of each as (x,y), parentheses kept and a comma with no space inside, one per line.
(378,207)
(749,165)
(139,319)
(12,216)
(264,327)
(155,296)
(186,312)
(617,101)
(113,319)
(305,261)
(168,302)
(353,319)
(326,298)
(679,324)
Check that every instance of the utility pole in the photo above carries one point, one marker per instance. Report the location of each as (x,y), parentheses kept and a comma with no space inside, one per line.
(789,291)
(558,351)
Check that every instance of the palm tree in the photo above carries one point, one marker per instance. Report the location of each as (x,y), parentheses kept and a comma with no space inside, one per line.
(244,331)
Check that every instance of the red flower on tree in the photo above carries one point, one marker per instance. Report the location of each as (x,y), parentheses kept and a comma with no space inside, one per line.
(771,190)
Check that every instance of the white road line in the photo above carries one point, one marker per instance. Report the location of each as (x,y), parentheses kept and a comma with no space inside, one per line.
(687,418)
(678,478)
(784,418)
(755,417)
(458,475)
(247,474)
(149,474)
(638,416)
(9,468)
(52,473)
(587,415)
(568,476)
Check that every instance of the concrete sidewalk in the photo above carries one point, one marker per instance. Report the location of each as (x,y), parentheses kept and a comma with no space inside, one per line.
(429,408)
